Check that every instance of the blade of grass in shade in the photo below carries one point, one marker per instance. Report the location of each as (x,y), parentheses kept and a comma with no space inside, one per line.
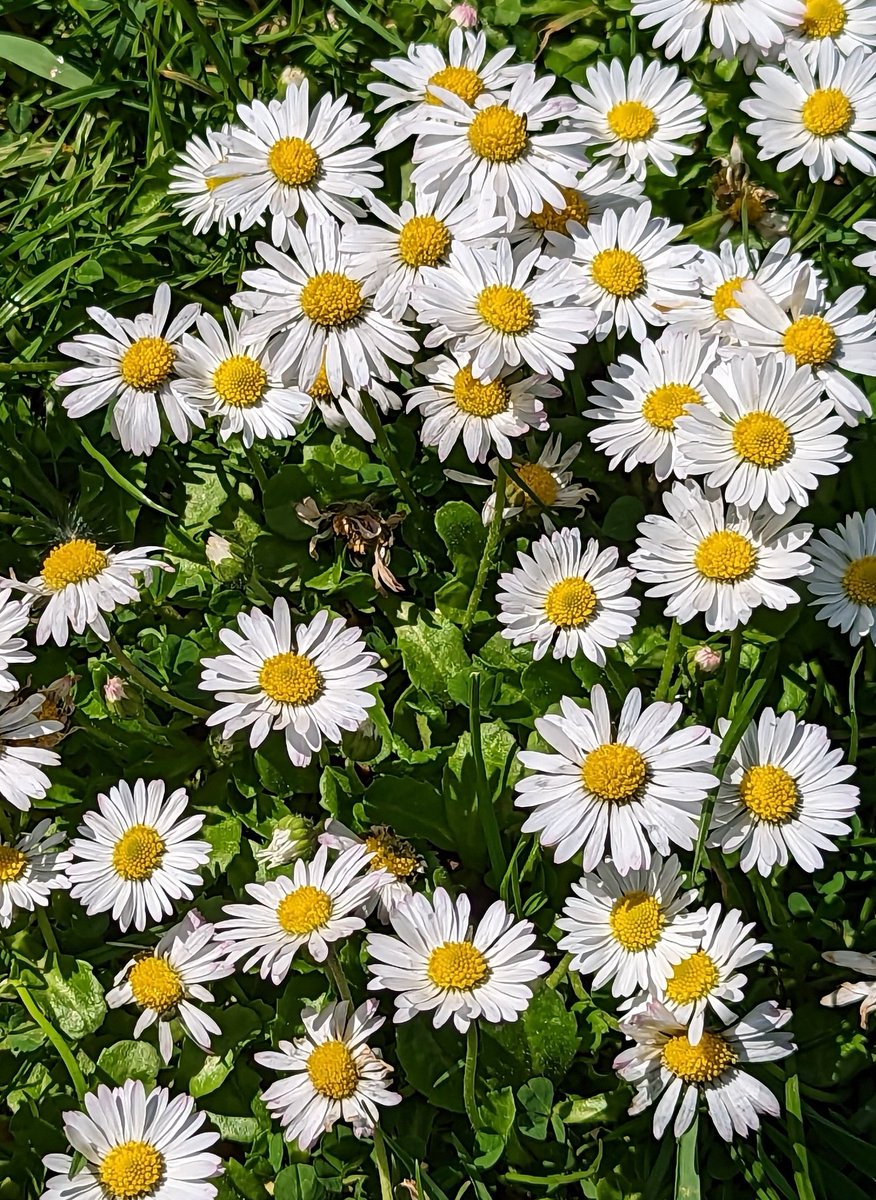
(794,1124)
(121,481)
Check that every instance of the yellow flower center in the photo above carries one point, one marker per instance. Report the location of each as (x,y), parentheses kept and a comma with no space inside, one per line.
(305,909)
(319,389)
(457,967)
(632,121)
(131,1170)
(770,793)
(476,398)
(462,81)
(614,772)
(636,921)
(859,580)
(618,272)
(293,161)
(810,341)
(762,439)
(332,1070)
(240,381)
(724,297)
(392,854)
(725,556)
(692,979)
(662,407)
(423,241)
(290,679)
(498,134)
(12,864)
(539,479)
(702,1063)
(824,18)
(331,299)
(138,853)
(827,112)
(155,984)
(74,562)
(555,220)
(570,603)
(147,363)
(506,309)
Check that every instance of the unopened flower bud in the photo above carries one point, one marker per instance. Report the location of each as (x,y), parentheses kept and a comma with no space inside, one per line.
(221,557)
(707,660)
(464,15)
(293,838)
(289,77)
(114,691)
(363,743)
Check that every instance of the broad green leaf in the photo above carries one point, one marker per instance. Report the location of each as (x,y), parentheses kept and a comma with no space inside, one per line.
(433,652)
(74,997)
(33,56)
(130,1060)
(432,1061)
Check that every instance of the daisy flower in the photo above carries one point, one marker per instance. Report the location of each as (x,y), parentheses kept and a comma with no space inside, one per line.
(421,234)
(828,338)
(131,366)
(843,579)
(396,860)
(639,406)
(783,795)
(630,930)
(617,793)
(425,75)
(30,871)
(846,24)
(851,993)
(345,410)
(288,158)
(438,962)
(137,856)
(456,405)
(665,1064)
(510,163)
(500,309)
(315,906)
(637,115)
(626,270)
(21,776)
(819,115)
(330,1074)
(708,557)
(867,260)
(308,680)
(767,438)
(192,186)
(602,186)
(323,312)
(82,582)
(168,983)
(735,28)
(567,597)
(133,1143)
(230,375)
(14,616)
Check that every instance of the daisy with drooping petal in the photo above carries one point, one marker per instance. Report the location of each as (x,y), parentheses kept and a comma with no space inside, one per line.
(21,776)
(440,963)
(630,930)
(395,859)
(500,309)
(862,990)
(767,438)
(625,268)
(288,158)
(192,186)
(138,855)
(14,616)
(345,410)
(637,115)
(616,793)
(131,1144)
(230,375)
(323,312)
(665,1065)
(867,260)
(736,28)
(30,871)
(483,415)
(783,795)
(168,983)
(602,185)
(843,579)
(314,907)
(131,366)
(82,582)
(846,24)
(708,557)
(567,597)
(463,72)
(510,163)
(330,1074)
(307,680)
(821,115)
(639,406)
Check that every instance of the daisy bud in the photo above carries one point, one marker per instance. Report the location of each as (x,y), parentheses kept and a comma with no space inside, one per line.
(114,691)
(122,698)
(707,660)
(220,555)
(363,743)
(290,76)
(292,839)
(464,15)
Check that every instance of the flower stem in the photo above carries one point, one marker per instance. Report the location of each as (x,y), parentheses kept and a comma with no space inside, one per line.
(492,542)
(148,685)
(811,212)
(668,669)
(731,673)
(468,1080)
(486,809)
(388,453)
(338,978)
(257,468)
(382,1163)
(64,1051)
(46,930)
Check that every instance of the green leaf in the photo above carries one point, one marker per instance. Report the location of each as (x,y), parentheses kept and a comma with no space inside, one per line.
(462,532)
(298,1183)
(74,998)
(414,809)
(249,1185)
(40,60)
(622,518)
(432,1061)
(130,1060)
(224,839)
(432,652)
(543,1041)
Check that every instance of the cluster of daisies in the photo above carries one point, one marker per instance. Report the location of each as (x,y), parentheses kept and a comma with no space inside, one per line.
(526,234)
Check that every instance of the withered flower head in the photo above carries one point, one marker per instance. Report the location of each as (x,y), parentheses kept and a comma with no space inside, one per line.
(734,191)
(57,706)
(364,530)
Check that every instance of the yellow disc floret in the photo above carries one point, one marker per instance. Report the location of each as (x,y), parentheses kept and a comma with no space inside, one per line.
(506,309)
(631,121)
(725,556)
(618,272)
(13,864)
(498,134)
(614,772)
(859,580)
(769,793)
(155,983)
(131,1171)
(725,297)
(392,854)
(147,363)
(457,967)
(462,81)
(319,389)
(570,603)
(73,562)
(331,299)
(476,398)
(423,241)
(824,18)
(333,1071)
(662,407)
(555,220)
(305,909)
(706,1061)
(539,479)
(293,162)
(636,921)
(827,112)
(290,679)
(810,341)
(138,853)
(692,979)
(763,440)
(240,381)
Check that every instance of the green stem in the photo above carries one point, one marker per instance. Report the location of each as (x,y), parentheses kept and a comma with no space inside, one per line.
(731,672)
(21,368)
(6,829)
(492,542)
(707,224)
(687,1176)
(853,705)
(811,212)
(486,808)
(257,468)
(150,686)
(382,1163)
(469,1077)
(388,453)
(558,974)
(46,930)
(338,978)
(64,1051)
(668,669)
(796,1136)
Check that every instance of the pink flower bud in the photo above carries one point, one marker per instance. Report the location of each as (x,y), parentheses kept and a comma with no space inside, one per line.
(114,690)
(707,659)
(464,15)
